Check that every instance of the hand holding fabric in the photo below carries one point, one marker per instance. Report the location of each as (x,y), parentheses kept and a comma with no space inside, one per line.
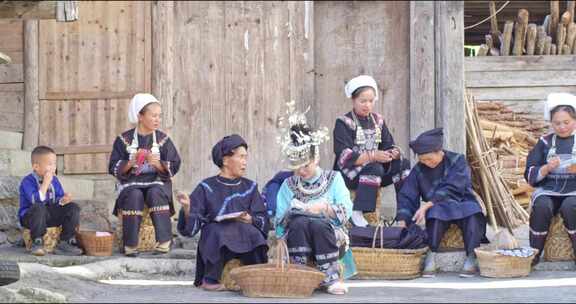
(67,198)
(420,214)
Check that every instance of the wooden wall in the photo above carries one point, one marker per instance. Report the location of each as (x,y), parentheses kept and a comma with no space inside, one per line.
(346,46)
(523,82)
(11,76)
(88,71)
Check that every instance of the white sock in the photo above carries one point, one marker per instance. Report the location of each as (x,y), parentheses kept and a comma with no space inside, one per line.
(358,218)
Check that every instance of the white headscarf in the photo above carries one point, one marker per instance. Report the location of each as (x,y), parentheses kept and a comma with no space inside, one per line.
(139,101)
(556,99)
(358,82)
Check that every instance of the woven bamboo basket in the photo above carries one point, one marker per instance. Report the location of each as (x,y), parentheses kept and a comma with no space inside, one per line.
(452,240)
(373,218)
(494,265)
(146,235)
(95,245)
(384,263)
(277,280)
(50,239)
(226,279)
(558,246)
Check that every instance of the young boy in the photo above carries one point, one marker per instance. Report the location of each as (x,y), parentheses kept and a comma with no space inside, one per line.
(43,204)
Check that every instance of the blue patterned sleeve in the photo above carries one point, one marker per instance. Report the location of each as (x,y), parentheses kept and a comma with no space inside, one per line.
(283,200)
(408,200)
(191,225)
(342,205)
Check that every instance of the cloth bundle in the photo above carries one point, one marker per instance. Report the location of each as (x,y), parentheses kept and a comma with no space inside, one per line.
(412,237)
(522,252)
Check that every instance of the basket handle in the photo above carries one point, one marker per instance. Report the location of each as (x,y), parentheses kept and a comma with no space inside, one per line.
(380,228)
(282,255)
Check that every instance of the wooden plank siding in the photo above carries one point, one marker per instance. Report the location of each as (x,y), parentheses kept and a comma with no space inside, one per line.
(523,82)
(11,76)
(347,46)
(88,72)
(11,39)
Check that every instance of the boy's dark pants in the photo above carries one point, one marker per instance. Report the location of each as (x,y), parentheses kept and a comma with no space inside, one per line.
(40,216)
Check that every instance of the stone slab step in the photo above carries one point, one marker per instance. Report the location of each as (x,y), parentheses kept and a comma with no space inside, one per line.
(14,162)
(10,140)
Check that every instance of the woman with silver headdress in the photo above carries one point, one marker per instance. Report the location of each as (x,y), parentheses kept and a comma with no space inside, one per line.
(313,206)
(365,150)
(143,160)
(551,169)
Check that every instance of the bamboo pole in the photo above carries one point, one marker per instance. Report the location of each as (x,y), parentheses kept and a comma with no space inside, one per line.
(541,38)
(554,18)
(507,38)
(520,29)
(531,39)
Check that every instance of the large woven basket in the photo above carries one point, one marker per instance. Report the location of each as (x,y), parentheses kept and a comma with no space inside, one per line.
(452,240)
(373,218)
(146,235)
(384,263)
(494,265)
(558,246)
(277,280)
(50,239)
(95,245)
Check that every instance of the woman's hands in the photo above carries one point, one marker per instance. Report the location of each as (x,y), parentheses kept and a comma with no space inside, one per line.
(420,215)
(550,166)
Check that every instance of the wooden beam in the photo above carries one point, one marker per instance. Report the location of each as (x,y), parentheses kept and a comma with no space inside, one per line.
(83,149)
(422,77)
(89,95)
(28,9)
(450,112)
(163,58)
(31,101)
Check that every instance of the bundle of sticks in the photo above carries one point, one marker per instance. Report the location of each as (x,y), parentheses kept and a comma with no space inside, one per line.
(501,207)
(556,35)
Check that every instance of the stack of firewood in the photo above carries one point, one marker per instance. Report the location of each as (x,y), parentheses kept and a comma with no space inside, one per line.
(488,180)
(556,35)
(526,121)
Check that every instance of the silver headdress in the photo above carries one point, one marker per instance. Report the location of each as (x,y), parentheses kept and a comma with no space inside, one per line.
(302,150)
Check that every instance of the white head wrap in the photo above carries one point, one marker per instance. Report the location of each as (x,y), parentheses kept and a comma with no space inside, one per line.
(557,99)
(139,101)
(358,82)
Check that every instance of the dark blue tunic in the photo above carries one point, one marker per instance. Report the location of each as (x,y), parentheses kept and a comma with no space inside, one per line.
(216,196)
(448,186)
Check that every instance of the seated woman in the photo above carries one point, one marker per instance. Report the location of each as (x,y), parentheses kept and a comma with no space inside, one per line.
(229,211)
(143,160)
(551,170)
(313,206)
(442,180)
(365,150)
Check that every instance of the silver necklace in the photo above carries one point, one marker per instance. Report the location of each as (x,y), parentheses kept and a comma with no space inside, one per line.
(360,136)
(228,184)
(314,190)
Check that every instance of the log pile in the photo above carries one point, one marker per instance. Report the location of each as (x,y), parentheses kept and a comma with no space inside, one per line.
(555,36)
(511,135)
(501,206)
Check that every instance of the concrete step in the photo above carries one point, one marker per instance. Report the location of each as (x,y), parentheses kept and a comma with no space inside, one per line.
(10,140)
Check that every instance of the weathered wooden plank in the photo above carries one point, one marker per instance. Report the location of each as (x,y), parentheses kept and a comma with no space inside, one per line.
(12,87)
(11,73)
(12,102)
(345,48)
(31,97)
(541,38)
(11,122)
(28,9)
(422,74)
(11,41)
(88,95)
(163,59)
(571,36)
(521,63)
(520,29)
(521,79)
(83,149)
(554,18)
(450,112)
(518,93)
(93,163)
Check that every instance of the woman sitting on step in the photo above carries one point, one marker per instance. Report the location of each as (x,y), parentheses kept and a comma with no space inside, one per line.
(441,179)
(229,211)
(313,205)
(365,150)
(143,160)
(551,169)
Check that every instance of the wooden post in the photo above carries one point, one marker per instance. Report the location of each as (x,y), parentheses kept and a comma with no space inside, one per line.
(547,45)
(494,31)
(31,99)
(450,107)
(560,38)
(163,59)
(554,18)
(505,48)
(570,8)
(520,32)
(541,38)
(531,39)
(422,69)
(571,36)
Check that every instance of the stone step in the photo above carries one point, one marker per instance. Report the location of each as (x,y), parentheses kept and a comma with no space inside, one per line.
(14,162)
(10,140)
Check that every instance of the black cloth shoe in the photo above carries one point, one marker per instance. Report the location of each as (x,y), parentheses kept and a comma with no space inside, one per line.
(67,248)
